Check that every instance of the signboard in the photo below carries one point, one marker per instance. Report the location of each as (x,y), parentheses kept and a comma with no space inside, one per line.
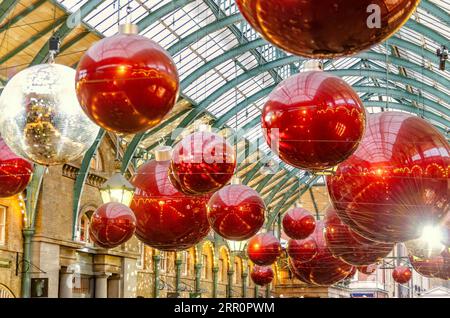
(39,287)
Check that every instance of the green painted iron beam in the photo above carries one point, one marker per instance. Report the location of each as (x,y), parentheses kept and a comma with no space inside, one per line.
(6,7)
(81,179)
(131,149)
(31,40)
(313,199)
(305,186)
(33,190)
(22,14)
(65,29)
(159,13)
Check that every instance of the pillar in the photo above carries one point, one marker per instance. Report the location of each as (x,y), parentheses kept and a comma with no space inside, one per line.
(178,263)
(101,285)
(256,291)
(66,284)
(244,284)
(268,291)
(215,280)
(26,264)
(156,260)
(230,284)
(198,273)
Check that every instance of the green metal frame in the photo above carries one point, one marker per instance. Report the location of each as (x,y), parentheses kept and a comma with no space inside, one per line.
(81,179)
(6,7)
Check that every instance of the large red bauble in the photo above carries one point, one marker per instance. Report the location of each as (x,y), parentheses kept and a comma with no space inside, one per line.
(262,275)
(127,83)
(112,224)
(396,182)
(402,274)
(302,250)
(324,269)
(15,172)
(263,249)
(368,269)
(202,163)
(298,223)
(326,28)
(167,220)
(314,120)
(435,267)
(344,243)
(236,212)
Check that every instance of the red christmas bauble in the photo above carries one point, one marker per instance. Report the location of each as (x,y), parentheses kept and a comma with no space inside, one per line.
(262,275)
(396,182)
(368,269)
(342,242)
(302,250)
(352,273)
(324,269)
(402,274)
(127,83)
(263,249)
(298,223)
(326,28)
(314,120)
(167,219)
(435,267)
(112,224)
(236,212)
(202,163)
(15,172)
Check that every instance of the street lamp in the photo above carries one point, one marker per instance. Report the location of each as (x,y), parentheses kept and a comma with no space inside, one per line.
(237,247)
(117,189)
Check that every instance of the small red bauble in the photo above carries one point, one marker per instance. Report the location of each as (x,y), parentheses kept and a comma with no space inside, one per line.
(302,250)
(435,267)
(314,120)
(402,274)
(263,249)
(127,83)
(166,219)
(202,163)
(236,212)
(112,224)
(326,28)
(350,246)
(324,269)
(298,223)
(396,182)
(15,172)
(367,269)
(262,275)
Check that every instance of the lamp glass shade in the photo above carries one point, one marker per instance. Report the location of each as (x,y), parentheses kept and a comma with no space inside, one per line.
(117,189)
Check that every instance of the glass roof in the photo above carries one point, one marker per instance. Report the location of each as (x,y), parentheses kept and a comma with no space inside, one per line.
(227,70)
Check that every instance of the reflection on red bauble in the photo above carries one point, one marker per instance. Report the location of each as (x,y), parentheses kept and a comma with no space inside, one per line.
(263,249)
(352,273)
(324,269)
(344,243)
(167,220)
(402,274)
(302,250)
(298,223)
(326,28)
(127,83)
(202,163)
(313,120)
(368,269)
(435,267)
(112,224)
(262,275)
(445,230)
(396,182)
(15,172)
(236,212)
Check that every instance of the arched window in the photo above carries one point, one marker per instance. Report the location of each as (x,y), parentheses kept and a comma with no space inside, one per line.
(83,227)
(96,163)
(5,292)
(2,225)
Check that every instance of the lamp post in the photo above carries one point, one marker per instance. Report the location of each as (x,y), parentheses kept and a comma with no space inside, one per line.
(237,249)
